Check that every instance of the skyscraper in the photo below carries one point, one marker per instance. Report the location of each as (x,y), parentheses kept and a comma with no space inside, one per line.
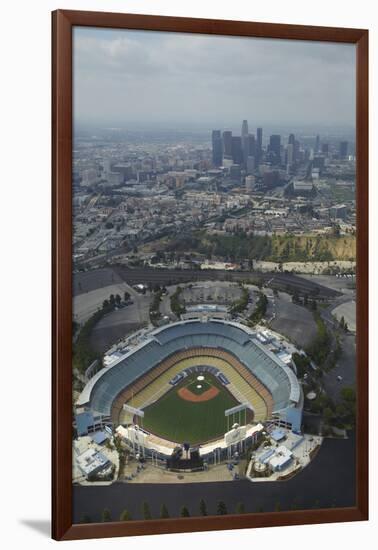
(275,149)
(251,165)
(343,149)
(251,146)
(290,154)
(297,150)
(317,144)
(244,141)
(236,150)
(249,152)
(244,129)
(259,135)
(227,143)
(292,142)
(217,147)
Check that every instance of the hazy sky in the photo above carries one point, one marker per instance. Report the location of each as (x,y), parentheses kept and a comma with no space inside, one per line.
(149,79)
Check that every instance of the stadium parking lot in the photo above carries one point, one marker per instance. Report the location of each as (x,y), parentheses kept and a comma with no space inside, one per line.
(293,321)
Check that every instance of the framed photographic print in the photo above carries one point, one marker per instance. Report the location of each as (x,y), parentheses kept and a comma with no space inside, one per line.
(210,302)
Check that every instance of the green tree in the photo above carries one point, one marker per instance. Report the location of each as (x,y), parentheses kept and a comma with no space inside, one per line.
(118,299)
(126,296)
(86,519)
(328,414)
(106,516)
(164,512)
(240,508)
(260,309)
(184,513)
(221,508)
(348,394)
(125,516)
(277,507)
(146,510)
(203,507)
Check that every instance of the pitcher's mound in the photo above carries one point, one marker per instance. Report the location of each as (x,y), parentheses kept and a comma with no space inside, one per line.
(187,395)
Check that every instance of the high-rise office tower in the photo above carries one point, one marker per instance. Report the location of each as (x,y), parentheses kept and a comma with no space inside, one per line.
(317,144)
(227,143)
(343,149)
(251,165)
(290,154)
(258,155)
(244,128)
(275,149)
(236,150)
(251,145)
(217,147)
(297,150)
(325,148)
(292,142)
(244,141)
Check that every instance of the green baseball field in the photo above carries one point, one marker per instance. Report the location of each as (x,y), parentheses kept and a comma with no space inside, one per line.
(192,411)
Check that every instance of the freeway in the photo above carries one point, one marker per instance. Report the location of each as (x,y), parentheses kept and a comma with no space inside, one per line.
(281,281)
(85,281)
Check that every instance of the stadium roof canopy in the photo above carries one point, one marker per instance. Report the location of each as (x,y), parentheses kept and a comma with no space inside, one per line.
(237,339)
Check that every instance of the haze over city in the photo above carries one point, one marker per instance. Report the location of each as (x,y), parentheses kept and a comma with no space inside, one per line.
(144,80)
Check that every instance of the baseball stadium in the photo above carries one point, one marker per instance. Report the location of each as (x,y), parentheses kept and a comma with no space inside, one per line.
(206,384)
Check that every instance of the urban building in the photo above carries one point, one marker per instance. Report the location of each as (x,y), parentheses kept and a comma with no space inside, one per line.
(275,149)
(343,149)
(217,148)
(227,143)
(236,150)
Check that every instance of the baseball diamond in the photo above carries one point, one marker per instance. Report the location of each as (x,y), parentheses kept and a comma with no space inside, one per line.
(183,376)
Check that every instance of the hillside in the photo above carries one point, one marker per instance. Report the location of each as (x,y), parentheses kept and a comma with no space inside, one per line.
(312,248)
(275,248)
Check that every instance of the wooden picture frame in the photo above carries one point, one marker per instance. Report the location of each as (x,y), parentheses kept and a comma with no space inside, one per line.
(62,24)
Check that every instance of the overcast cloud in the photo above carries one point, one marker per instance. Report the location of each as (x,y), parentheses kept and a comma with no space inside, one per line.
(147,79)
